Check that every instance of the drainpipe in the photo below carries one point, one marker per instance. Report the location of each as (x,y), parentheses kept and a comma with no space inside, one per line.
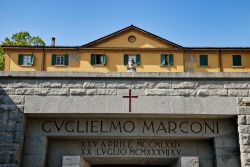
(43,62)
(220,60)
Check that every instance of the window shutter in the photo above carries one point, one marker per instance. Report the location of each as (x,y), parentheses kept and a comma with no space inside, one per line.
(66,59)
(125,59)
(171,59)
(92,61)
(104,58)
(20,59)
(138,59)
(53,61)
(163,59)
(32,59)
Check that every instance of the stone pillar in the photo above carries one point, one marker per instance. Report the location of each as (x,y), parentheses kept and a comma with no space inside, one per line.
(188,162)
(244,130)
(12,127)
(74,161)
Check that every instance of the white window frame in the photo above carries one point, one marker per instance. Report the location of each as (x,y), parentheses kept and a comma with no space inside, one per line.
(60,60)
(27,60)
(132,56)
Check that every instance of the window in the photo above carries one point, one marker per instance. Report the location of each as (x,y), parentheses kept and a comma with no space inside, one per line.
(98,59)
(58,60)
(26,59)
(131,39)
(237,60)
(203,60)
(135,57)
(167,59)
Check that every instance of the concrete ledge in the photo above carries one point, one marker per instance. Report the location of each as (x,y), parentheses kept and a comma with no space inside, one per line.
(138,75)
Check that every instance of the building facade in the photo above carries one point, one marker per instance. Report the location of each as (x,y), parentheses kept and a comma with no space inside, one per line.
(124,119)
(111,53)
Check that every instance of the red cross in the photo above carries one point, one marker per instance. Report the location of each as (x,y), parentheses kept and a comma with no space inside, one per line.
(130,99)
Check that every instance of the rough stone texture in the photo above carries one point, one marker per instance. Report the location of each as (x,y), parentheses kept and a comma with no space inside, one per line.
(11,129)
(244,130)
(220,90)
(188,162)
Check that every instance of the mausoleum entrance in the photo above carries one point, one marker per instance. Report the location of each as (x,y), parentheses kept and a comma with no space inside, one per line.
(129,165)
(108,141)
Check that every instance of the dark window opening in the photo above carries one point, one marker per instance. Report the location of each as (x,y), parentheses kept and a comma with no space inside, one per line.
(203,60)
(237,60)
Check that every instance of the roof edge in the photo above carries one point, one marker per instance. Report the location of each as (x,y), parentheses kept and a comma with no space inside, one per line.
(126,28)
(120,48)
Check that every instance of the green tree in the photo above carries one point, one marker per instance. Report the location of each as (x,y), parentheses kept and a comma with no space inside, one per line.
(1,59)
(22,38)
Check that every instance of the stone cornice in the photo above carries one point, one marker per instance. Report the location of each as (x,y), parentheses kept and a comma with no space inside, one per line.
(125,75)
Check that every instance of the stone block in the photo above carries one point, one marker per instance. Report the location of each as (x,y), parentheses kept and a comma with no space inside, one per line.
(163,85)
(23,84)
(114,104)
(33,104)
(244,110)
(124,85)
(245,149)
(144,85)
(49,104)
(91,92)
(78,91)
(246,101)
(242,119)
(6,137)
(8,108)
(184,85)
(50,84)
(74,161)
(211,84)
(9,146)
(41,91)
(94,84)
(13,157)
(188,161)
(72,84)
(65,104)
(236,85)
(248,119)
(245,159)
(58,91)
(16,99)
(4,157)
(212,92)
(244,128)
(245,139)
(7,91)
(238,93)
(24,91)
(106,91)
(134,92)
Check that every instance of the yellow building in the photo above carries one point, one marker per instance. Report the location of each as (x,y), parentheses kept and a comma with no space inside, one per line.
(112,52)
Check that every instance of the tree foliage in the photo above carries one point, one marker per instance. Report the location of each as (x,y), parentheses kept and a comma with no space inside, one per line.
(1,59)
(22,38)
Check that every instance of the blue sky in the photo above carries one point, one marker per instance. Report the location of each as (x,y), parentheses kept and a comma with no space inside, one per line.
(76,22)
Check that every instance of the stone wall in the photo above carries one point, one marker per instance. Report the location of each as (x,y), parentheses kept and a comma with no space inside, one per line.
(217,90)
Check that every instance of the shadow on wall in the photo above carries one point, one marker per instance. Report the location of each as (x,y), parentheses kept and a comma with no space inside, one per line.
(11,125)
